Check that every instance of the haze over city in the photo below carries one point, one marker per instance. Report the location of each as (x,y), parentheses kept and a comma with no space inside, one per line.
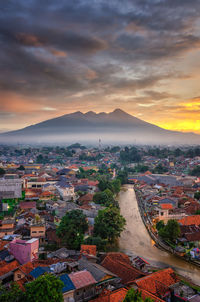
(60,57)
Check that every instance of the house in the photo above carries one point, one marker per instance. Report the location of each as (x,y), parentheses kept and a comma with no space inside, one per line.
(84,285)
(24,251)
(37,231)
(27,205)
(6,227)
(189,220)
(7,269)
(39,271)
(120,265)
(10,187)
(65,190)
(158,283)
(117,295)
(89,249)
(68,288)
(23,270)
(99,273)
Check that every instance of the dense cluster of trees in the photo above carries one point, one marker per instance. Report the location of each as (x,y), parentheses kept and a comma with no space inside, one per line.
(72,228)
(166,152)
(130,155)
(46,288)
(195,171)
(169,232)
(160,169)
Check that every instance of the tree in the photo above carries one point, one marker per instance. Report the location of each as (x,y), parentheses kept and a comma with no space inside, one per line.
(160,169)
(46,288)
(197,195)
(2,172)
(195,171)
(160,225)
(105,198)
(109,224)
(15,294)
(135,296)
(21,168)
(72,229)
(98,241)
(171,231)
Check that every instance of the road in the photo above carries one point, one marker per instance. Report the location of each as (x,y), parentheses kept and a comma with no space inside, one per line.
(136,240)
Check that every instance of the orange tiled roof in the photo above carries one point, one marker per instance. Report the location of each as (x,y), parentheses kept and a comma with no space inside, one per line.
(188,220)
(3,243)
(166,206)
(158,282)
(8,267)
(120,265)
(89,249)
(112,296)
(146,294)
(26,268)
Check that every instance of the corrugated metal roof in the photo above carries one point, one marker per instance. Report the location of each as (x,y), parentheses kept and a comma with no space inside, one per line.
(82,279)
(38,271)
(68,285)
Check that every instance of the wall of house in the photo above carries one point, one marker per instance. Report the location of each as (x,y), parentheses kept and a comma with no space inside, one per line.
(37,231)
(68,295)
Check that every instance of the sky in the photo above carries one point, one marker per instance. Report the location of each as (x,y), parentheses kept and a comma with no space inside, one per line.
(142,56)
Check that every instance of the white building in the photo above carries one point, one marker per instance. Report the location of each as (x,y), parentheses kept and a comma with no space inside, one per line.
(10,187)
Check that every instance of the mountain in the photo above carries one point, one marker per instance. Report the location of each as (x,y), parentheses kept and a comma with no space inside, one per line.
(114,127)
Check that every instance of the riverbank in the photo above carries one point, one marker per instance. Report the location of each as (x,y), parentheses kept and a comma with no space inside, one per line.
(135,239)
(158,241)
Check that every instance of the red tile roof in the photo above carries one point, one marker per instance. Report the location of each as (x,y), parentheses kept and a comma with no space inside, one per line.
(27,205)
(120,265)
(26,268)
(189,220)
(158,282)
(3,243)
(82,279)
(112,296)
(145,294)
(8,267)
(166,206)
(89,249)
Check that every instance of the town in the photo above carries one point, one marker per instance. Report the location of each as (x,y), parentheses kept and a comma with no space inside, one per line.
(61,223)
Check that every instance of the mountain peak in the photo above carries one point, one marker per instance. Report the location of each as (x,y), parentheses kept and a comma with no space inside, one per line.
(90,114)
(119,113)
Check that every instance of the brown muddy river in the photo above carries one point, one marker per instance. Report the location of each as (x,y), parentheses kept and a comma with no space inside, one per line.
(136,240)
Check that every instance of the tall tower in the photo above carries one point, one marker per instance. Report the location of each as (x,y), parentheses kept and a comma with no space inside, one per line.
(100,144)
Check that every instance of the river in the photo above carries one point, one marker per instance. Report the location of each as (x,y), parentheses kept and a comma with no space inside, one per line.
(136,240)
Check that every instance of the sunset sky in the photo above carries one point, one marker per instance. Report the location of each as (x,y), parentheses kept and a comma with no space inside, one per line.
(142,56)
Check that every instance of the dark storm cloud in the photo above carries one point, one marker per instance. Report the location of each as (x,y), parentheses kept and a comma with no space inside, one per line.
(47,47)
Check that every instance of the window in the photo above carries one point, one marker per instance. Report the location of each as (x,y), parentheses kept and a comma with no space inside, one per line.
(41,231)
(34,232)
(19,276)
(162,213)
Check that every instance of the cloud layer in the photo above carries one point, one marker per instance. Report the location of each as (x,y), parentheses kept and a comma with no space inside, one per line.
(60,56)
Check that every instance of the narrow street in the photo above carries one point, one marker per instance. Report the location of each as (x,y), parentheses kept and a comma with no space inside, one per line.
(136,240)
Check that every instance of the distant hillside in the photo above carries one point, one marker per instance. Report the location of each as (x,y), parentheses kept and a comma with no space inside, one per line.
(114,127)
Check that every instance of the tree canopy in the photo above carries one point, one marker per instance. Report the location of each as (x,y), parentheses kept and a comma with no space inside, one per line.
(72,229)
(2,171)
(170,231)
(105,198)
(109,224)
(46,288)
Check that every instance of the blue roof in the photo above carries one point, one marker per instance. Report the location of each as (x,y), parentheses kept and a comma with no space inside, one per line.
(68,284)
(38,271)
